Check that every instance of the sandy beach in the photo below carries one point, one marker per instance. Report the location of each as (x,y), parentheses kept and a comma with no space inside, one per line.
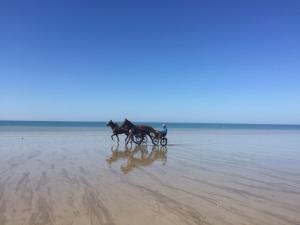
(216,177)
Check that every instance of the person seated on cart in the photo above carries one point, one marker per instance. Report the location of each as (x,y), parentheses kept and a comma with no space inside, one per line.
(164,130)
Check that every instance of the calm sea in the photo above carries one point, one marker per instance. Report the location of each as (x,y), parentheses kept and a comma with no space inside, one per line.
(67,125)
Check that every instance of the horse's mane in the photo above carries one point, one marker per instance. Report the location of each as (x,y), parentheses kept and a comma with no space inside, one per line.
(128,122)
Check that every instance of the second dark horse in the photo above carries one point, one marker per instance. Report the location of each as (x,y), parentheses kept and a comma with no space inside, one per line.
(139,132)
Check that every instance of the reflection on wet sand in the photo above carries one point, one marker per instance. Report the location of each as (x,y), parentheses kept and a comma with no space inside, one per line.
(137,156)
(118,154)
(75,178)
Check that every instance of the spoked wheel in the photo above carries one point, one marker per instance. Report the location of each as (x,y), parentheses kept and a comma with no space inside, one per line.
(145,139)
(138,139)
(164,141)
(155,140)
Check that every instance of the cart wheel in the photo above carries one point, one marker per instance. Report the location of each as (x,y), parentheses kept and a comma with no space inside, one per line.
(145,139)
(138,139)
(164,141)
(155,141)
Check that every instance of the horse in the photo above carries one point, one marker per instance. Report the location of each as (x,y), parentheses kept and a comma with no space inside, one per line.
(140,130)
(117,130)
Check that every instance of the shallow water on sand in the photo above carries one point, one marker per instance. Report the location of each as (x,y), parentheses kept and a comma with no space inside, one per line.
(202,177)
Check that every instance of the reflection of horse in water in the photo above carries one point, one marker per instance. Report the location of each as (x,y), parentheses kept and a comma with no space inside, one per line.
(143,158)
(116,154)
(138,156)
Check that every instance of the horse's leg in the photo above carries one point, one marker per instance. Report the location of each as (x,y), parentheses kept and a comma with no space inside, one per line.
(127,135)
(115,135)
(129,138)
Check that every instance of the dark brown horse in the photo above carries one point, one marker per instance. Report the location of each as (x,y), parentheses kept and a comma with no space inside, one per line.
(117,130)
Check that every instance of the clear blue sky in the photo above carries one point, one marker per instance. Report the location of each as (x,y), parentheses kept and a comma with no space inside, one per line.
(190,61)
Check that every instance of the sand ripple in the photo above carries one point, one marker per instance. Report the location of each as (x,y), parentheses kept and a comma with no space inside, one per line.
(75,179)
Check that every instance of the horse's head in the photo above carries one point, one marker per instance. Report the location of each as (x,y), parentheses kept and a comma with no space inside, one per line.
(109,123)
(127,124)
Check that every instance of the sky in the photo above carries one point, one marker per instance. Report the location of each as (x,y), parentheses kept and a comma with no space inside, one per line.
(173,61)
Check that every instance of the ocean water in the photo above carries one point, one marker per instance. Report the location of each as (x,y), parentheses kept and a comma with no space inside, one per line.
(94,126)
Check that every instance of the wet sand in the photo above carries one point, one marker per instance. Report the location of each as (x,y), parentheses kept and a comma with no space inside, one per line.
(202,177)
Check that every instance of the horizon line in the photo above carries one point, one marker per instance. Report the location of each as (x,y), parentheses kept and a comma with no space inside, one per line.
(178,122)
